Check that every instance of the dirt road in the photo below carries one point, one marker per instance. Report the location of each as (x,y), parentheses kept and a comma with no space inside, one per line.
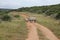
(46,32)
(33,35)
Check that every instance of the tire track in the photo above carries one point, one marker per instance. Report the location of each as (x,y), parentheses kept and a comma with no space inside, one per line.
(32,35)
(46,32)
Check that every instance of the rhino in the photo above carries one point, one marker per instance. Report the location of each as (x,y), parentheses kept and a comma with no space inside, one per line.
(31,19)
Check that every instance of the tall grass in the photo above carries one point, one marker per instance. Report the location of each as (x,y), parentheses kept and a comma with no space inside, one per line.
(14,30)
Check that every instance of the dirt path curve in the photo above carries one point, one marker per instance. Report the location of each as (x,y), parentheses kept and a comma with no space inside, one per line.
(46,32)
(33,35)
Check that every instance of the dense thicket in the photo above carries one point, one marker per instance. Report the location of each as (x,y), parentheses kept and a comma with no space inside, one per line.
(51,10)
(4,15)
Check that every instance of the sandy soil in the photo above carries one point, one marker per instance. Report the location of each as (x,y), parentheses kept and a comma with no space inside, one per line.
(32,35)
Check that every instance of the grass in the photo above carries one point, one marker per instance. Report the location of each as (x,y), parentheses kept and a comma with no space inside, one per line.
(48,22)
(14,30)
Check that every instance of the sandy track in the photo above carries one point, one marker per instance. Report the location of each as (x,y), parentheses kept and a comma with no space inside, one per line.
(46,32)
(32,35)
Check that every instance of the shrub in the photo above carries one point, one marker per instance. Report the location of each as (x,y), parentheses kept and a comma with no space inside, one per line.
(58,16)
(6,18)
(17,16)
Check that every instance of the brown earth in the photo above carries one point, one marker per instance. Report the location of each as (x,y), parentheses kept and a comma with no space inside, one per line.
(32,35)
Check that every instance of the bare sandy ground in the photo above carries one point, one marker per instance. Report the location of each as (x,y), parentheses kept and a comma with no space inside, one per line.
(32,35)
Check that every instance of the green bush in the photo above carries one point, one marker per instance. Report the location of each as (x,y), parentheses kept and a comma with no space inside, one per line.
(6,18)
(50,10)
(17,16)
(58,16)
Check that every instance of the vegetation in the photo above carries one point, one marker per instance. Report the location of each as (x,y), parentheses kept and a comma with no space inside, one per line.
(17,16)
(6,18)
(4,15)
(14,30)
(51,10)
